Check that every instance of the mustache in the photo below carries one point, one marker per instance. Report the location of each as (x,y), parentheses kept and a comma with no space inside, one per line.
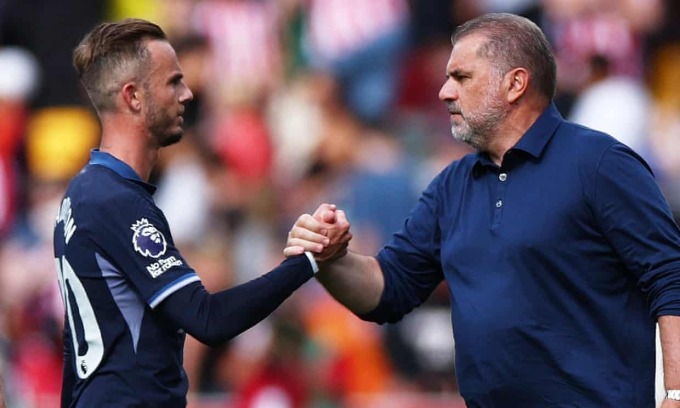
(453,108)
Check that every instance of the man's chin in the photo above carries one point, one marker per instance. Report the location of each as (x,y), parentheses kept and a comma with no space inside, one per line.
(171,139)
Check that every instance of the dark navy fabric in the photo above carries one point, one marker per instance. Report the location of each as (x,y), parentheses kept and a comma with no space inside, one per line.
(117,263)
(557,263)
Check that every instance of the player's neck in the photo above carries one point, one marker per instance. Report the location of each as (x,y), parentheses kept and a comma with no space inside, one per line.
(130,144)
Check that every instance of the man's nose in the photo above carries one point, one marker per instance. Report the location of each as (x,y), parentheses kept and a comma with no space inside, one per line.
(448,92)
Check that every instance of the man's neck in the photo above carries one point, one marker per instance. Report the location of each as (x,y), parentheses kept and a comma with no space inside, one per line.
(511,131)
(129,143)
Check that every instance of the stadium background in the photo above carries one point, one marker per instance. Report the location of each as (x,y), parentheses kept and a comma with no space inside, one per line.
(298,102)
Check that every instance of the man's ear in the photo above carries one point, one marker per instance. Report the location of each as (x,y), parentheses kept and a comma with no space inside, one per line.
(517,83)
(132,97)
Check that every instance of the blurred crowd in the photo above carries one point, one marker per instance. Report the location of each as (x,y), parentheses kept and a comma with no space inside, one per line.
(297,102)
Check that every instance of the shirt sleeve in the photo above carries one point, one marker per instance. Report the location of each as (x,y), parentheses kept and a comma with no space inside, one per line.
(218,317)
(637,220)
(134,237)
(410,261)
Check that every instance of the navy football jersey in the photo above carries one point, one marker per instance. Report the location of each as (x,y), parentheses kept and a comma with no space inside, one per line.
(116,262)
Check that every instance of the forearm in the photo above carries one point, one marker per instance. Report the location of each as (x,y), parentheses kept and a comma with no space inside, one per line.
(669,330)
(354,280)
(218,317)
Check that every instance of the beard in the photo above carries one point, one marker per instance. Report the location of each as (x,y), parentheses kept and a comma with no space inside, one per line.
(163,125)
(478,128)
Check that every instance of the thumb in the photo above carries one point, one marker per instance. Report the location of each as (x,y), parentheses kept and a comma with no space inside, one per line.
(328,216)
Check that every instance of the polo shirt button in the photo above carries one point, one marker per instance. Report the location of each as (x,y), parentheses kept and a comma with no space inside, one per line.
(499,203)
(502,176)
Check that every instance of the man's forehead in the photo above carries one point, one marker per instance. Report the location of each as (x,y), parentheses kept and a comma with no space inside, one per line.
(162,55)
(464,51)
(160,48)
(469,44)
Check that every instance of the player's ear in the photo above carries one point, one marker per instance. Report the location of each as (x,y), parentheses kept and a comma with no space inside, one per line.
(517,82)
(132,96)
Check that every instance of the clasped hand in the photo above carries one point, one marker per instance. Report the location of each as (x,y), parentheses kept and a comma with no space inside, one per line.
(324,233)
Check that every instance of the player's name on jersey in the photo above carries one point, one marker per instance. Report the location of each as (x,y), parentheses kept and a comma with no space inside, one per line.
(65,216)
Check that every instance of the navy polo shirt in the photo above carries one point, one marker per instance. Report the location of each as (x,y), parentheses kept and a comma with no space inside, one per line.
(558,263)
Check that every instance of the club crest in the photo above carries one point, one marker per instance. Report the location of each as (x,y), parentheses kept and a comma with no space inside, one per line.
(147,240)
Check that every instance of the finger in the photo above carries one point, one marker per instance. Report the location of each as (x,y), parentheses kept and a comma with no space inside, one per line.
(332,253)
(307,222)
(305,245)
(337,229)
(305,234)
(341,220)
(323,208)
(346,237)
(293,251)
(328,216)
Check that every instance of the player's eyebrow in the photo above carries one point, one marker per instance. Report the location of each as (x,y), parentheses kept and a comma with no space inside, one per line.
(176,77)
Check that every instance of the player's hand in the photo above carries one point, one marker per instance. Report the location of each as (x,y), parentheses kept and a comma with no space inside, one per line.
(325,233)
(666,403)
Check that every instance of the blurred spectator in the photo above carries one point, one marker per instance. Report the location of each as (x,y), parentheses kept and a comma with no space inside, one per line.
(364,53)
(664,76)
(348,354)
(244,35)
(582,29)
(18,83)
(380,188)
(50,29)
(420,346)
(282,380)
(295,118)
(615,104)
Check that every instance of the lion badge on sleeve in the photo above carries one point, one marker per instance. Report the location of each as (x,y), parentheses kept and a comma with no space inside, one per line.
(147,239)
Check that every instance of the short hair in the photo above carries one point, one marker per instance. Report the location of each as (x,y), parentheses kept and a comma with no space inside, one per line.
(111,54)
(515,41)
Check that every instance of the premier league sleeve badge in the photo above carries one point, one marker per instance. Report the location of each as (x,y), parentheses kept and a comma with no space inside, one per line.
(147,239)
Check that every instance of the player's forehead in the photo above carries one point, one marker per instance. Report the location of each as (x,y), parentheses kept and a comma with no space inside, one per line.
(465,53)
(163,58)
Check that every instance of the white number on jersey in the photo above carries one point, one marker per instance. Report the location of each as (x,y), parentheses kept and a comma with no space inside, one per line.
(88,328)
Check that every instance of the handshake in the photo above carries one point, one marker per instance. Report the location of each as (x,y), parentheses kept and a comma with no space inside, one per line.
(324,233)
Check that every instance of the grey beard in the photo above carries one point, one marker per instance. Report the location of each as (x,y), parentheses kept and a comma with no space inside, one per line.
(469,136)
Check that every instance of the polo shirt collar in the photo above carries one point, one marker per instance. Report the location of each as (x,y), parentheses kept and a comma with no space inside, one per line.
(536,137)
(539,134)
(120,167)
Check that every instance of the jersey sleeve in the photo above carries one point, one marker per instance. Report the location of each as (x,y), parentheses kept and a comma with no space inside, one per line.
(135,238)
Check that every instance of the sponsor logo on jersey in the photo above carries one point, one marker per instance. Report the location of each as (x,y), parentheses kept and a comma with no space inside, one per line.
(157,268)
(148,240)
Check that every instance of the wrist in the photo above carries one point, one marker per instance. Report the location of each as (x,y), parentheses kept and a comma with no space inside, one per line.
(312,261)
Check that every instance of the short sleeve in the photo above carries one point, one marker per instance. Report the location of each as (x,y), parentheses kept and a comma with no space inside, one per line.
(135,238)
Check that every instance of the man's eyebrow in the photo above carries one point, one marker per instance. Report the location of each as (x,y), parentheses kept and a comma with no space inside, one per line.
(176,77)
(456,73)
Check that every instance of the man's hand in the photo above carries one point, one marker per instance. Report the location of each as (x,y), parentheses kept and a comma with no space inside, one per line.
(325,233)
(666,403)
